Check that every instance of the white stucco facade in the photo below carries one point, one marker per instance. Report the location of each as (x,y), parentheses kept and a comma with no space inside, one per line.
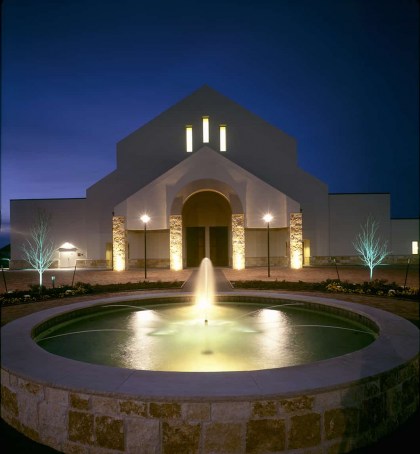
(205,197)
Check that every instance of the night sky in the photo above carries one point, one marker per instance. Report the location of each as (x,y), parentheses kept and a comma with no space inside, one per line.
(339,76)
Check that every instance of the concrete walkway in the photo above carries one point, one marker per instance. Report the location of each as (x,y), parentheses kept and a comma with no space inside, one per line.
(22,279)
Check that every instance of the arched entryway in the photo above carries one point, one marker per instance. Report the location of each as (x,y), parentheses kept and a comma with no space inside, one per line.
(206,220)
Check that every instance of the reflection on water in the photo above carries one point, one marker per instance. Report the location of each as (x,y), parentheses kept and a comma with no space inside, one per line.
(237,337)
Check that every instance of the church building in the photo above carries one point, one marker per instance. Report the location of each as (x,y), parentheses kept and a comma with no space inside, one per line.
(208,178)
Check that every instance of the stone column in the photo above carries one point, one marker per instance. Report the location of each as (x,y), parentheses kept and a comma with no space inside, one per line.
(119,243)
(238,241)
(296,237)
(175,242)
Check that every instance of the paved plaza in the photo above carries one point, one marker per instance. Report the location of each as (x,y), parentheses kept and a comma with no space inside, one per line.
(21,279)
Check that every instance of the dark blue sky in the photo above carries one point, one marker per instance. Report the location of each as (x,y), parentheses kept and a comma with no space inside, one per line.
(339,76)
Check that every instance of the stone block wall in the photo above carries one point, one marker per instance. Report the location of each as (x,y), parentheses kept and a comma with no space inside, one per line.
(355,260)
(23,265)
(94,264)
(134,264)
(330,421)
(262,261)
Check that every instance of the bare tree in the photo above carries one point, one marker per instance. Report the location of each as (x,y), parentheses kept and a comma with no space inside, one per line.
(370,246)
(39,248)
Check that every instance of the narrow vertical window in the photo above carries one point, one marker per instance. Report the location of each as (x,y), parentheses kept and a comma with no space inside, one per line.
(415,247)
(206,135)
(222,137)
(189,137)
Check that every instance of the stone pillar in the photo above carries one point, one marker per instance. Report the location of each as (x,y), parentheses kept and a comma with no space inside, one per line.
(119,243)
(175,242)
(238,241)
(296,237)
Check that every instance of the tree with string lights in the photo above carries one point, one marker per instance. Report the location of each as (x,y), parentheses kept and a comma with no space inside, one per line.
(370,246)
(39,248)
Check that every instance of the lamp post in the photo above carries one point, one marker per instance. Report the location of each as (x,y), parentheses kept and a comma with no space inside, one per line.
(145,219)
(267,218)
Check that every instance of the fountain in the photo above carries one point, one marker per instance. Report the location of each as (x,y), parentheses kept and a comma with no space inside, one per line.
(211,404)
(205,288)
(239,335)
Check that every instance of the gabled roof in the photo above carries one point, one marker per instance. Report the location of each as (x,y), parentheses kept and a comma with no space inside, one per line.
(206,169)
(252,143)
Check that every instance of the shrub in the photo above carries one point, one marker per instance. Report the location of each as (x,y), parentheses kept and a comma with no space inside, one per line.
(80,288)
(374,287)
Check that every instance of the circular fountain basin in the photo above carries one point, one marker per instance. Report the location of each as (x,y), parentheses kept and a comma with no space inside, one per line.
(179,337)
(335,404)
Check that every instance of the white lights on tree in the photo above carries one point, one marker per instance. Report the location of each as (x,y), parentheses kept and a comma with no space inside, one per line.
(369,245)
(39,248)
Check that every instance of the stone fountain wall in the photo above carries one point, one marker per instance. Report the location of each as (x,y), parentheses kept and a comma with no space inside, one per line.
(330,420)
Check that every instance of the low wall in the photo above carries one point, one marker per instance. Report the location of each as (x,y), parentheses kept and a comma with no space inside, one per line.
(356,260)
(262,261)
(336,420)
(151,263)
(249,262)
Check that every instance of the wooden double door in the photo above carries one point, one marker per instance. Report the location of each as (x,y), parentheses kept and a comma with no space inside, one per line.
(218,239)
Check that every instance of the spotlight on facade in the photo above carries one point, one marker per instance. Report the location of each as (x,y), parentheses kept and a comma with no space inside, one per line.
(268,218)
(119,243)
(238,261)
(145,219)
(296,241)
(175,241)
(238,241)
